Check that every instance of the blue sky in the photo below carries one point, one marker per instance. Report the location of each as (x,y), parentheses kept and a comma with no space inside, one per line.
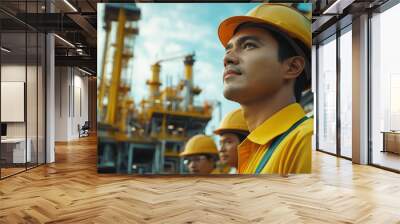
(172,29)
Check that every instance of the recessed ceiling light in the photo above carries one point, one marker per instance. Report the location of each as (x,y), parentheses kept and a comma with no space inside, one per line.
(70,5)
(84,71)
(65,41)
(5,50)
(337,7)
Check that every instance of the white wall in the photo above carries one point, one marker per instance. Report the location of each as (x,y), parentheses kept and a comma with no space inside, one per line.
(33,127)
(61,103)
(15,73)
(71,94)
(10,73)
(81,103)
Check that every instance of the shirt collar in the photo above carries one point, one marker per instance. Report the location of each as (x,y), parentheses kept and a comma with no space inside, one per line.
(277,124)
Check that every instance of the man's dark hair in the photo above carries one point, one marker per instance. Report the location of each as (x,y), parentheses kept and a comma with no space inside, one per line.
(285,51)
(241,136)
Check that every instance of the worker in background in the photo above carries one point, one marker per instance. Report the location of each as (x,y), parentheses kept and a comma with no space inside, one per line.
(267,66)
(200,155)
(232,131)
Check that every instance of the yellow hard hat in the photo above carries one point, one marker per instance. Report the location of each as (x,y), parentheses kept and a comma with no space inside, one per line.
(279,16)
(200,144)
(233,122)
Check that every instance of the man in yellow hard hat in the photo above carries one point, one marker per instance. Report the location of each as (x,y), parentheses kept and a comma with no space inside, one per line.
(267,66)
(232,131)
(200,155)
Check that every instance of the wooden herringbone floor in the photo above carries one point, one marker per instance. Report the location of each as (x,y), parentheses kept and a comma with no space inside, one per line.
(70,191)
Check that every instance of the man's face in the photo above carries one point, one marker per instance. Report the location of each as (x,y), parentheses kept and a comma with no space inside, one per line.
(228,151)
(199,164)
(252,69)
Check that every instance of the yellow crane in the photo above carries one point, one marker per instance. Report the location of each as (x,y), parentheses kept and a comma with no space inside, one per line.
(154,83)
(116,73)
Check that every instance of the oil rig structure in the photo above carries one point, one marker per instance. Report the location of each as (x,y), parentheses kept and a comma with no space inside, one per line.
(143,137)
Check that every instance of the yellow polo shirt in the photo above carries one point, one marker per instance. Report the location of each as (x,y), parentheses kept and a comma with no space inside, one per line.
(292,155)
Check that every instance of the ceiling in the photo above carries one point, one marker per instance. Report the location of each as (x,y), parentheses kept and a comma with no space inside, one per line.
(331,15)
(74,21)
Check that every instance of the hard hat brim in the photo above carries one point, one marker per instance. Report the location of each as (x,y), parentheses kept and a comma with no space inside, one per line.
(227,28)
(227,130)
(183,154)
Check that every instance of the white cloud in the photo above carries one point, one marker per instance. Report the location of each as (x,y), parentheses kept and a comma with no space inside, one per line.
(206,71)
(161,38)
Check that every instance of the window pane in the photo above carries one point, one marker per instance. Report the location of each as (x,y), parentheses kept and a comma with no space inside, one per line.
(346,94)
(385,84)
(14,150)
(41,99)
(31,97)
(327,96)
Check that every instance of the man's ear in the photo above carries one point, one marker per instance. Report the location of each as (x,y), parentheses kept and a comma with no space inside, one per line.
(294,66)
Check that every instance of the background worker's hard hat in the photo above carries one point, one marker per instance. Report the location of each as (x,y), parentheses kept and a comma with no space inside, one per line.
(200,144)
(233,122)
(279,16)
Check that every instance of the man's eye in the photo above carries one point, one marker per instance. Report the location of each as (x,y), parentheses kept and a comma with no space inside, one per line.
(249,46)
